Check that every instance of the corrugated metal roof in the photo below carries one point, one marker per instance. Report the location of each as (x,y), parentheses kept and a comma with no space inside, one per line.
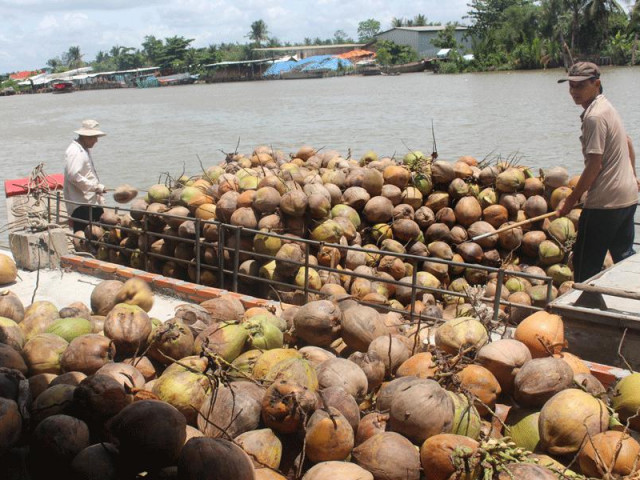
(426,28)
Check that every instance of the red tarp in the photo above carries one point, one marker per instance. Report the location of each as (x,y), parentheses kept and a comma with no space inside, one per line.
(23,75)
(20,186)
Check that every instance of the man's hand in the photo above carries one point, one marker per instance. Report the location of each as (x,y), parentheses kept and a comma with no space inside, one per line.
(565,206)
(100,189)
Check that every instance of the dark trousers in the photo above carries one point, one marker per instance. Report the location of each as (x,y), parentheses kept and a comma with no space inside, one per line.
(81,217)
(600,230)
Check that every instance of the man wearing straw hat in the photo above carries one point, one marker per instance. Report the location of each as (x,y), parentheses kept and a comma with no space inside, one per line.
(81,183)
(608,179)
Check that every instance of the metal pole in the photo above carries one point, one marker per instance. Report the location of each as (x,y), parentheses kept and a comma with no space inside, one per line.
(221,254)
(198,228)
(414,292)
(306,273)
(236,259)
(498,296)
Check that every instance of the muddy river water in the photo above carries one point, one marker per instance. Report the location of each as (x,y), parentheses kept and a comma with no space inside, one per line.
(522,115)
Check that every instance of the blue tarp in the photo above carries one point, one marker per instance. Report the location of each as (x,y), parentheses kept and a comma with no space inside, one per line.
(317,62)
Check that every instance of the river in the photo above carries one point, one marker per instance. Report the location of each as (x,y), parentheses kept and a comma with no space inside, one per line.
(521,115)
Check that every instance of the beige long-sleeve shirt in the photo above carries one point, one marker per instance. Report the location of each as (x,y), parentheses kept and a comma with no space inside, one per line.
(81,182)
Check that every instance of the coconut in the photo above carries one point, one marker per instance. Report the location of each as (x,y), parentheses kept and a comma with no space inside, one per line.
(11,333)
(540,379)
(149,434)
(360,326)
(436,454)
(8,270)
(482,385)
(533,186)
(510,180)
(263,447)
(424,217)
(103,296)
(511,239)
(393,350)
(38,317)
(372,366)
(495,215)
(487,197)
(378,210)
(480,228)
(421,410)
(438,231)
(286,405)
(56,441)
(333,469)
(611,453)
(555,177)
(11,306)
(396,175)
(567,418)
(562,231)
(392,192)
(224,339)
(356,197)
(420,365)
(345,374)
(466,419)
(230,410)
(542,333)
(626,399)
(526,471)
(531,243)
(535,206)
(42,353)
(87,353)
(460,334)
(70,328)
(295,370)
(99,460)
(437,201)
(388,456)
(458,188)
(318,323)
(550,252)
(558,195)
(328,436)
(468,211)
(412,197)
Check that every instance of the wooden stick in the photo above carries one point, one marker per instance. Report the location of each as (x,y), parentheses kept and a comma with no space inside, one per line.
(614,292)
(514,225)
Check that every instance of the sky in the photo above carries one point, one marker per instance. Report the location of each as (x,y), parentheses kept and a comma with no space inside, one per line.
(33,31)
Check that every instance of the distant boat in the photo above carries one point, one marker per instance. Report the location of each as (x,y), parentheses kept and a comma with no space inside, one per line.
(62,86)
(300,74)
(412,67)
(177,79)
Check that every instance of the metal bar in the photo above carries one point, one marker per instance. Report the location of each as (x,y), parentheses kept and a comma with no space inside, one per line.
(414,280)
(236,258)
(221,255)
(198,229)
(498,295)
(306,272)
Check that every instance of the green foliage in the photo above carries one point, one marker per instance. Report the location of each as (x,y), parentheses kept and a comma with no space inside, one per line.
(446,38)
(620,48)
(390,53)
(367,29)
(259,32)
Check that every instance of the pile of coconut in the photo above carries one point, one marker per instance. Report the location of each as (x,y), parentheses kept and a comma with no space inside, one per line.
(330,390)
(322,202)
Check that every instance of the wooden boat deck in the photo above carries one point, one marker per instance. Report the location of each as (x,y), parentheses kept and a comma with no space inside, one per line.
(603,313)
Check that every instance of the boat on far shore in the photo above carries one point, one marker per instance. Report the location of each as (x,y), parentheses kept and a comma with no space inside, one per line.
(62,86)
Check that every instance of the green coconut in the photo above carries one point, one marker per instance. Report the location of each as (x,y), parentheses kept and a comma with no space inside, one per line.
(268,359)
(423,183)
(224,339)
(461,333)
(466,420)
(559,273)
(562,230)
(487,197)
(550,252)
(242,366)
(342,210)
(314,281)
(158,193)
(414,158)
(70,328)
(525,432)
(294,370)
(213,173)
(369,157)
(266,244)
(626,399)
(381,231)
(511,180)
(263,334)
(328,231)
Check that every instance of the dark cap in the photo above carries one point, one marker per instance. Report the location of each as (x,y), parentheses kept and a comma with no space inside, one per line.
(582,71)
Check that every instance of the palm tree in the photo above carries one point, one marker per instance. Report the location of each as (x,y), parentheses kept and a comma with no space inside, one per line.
(73,57)
(259,32)
(599,11)
(397,22)
(420,20)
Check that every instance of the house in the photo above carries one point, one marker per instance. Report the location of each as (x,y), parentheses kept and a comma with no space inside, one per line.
(419,38)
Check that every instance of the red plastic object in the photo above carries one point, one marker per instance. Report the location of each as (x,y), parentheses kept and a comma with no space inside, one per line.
(20,186)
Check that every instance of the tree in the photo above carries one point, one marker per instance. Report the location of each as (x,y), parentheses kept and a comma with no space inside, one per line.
(259,32)
(446,38)
(599,13)
(152,48)
(73,57)
(390,53)
(55,63)
(420,20)
(367,29)
(397,22)
(340,36)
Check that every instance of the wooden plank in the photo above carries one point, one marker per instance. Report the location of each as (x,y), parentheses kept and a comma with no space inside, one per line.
(614,292)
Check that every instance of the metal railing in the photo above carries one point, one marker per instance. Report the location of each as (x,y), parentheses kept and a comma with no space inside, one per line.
(229,276)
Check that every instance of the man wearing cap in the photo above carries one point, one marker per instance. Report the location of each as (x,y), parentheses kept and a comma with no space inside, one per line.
(81,183)
(609,177)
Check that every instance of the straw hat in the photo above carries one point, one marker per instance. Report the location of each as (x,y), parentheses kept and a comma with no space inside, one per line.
(90,129)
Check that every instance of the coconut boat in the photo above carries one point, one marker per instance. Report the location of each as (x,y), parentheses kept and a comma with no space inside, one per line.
(372,324)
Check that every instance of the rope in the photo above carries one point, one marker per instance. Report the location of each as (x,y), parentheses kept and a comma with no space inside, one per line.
(30,210)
